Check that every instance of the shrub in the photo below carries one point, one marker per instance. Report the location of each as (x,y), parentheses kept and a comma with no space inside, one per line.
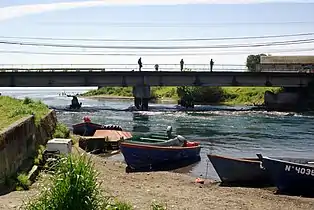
(23,182)
(74,186)
(61,131)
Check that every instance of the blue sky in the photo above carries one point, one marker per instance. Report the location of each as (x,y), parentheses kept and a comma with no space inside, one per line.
(88,19)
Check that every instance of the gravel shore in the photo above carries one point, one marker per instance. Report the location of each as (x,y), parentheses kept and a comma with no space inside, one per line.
(174,190)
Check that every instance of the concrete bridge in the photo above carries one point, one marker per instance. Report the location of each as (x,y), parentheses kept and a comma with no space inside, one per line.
(71,76)
(96,77)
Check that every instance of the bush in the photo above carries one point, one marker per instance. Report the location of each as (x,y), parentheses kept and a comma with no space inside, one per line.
(61,131)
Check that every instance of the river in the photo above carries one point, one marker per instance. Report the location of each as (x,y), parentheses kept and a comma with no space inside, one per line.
(234,133)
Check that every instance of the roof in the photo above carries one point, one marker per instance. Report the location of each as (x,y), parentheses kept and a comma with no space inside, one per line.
(287,59)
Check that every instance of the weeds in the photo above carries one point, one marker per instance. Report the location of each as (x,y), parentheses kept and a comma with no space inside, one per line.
(23,183)
(38,160)
(74,186)
(157,206)
(61,131)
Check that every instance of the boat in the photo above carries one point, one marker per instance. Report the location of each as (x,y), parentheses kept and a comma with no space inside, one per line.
(240,171)
(158,140)
(291,177)
(143,157)
(87,128)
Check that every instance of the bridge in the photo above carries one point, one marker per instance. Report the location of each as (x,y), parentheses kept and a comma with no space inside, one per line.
(141,81)
(74,75)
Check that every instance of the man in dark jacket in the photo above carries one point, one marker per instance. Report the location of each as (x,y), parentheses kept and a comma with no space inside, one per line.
(211,65)
(181,64)
(140,65)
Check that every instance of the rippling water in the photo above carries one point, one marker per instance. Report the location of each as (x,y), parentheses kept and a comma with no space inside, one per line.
(234,133)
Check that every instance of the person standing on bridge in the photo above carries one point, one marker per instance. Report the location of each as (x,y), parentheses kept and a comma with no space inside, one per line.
(211,65)
(181,64)
(156,67)
(140,65)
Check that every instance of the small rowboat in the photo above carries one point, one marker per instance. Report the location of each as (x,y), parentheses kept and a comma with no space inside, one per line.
(143,157)
(240,171)
(291,177)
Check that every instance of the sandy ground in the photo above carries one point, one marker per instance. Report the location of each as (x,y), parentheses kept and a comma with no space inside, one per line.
(176,191)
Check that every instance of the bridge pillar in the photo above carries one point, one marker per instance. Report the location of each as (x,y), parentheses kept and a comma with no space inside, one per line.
(141,95)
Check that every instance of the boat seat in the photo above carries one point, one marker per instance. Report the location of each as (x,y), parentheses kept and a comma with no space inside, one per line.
(160,137)
(152,140)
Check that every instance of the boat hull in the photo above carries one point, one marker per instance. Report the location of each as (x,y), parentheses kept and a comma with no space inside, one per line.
(290,177)
(88,129)
(240,171)
(146,157)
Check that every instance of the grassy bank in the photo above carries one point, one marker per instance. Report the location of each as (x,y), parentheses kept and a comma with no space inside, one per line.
(245,95)
(156,92)
(14,109)
(209,95)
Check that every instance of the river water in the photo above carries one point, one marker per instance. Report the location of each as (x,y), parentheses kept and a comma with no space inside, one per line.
(234,133)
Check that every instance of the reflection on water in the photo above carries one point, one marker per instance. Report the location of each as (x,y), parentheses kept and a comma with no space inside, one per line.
(234,133)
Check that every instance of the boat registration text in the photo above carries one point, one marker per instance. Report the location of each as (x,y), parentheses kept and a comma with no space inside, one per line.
(300,170)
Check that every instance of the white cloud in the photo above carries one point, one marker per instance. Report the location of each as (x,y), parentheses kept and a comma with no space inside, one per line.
(22,10)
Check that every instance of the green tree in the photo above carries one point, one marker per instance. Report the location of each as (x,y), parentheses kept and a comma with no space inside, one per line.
(252,61)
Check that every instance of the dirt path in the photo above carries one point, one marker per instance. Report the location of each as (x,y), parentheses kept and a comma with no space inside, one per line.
(177,191)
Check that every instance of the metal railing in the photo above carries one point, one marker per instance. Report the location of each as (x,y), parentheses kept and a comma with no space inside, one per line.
(118,67)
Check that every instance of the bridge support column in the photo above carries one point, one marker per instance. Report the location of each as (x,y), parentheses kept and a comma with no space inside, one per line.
(141,95)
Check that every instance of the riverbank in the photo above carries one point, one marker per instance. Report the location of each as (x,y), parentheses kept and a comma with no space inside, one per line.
(204,95)
(12,109)
(172,190)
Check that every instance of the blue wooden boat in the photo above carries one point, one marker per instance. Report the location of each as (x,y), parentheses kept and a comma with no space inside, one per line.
(142,157)
(240,171)
(89,128)
(289,177)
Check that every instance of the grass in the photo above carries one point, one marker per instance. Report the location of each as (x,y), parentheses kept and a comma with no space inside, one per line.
(74,186)
(38,160)
(157,206)
(245,95)
(61,131)
(230,95)
(111,91)
(23,183)
(14,109)
(164,92)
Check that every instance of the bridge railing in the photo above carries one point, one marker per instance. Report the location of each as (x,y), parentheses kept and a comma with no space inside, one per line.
(118,67)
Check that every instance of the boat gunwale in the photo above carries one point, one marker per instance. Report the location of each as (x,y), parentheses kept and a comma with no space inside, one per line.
(143,146)
(84,123)
(248,160)
(288,162)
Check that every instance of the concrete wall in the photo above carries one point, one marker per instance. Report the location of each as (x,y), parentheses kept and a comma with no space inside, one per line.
(287,59)
(281,101)
(20,140)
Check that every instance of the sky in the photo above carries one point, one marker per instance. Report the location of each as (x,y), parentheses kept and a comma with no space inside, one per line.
(165,21)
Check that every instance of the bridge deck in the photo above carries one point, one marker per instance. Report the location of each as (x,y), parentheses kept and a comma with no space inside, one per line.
(152,78)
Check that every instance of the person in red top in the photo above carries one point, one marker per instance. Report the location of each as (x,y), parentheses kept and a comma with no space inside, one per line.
(87,119)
